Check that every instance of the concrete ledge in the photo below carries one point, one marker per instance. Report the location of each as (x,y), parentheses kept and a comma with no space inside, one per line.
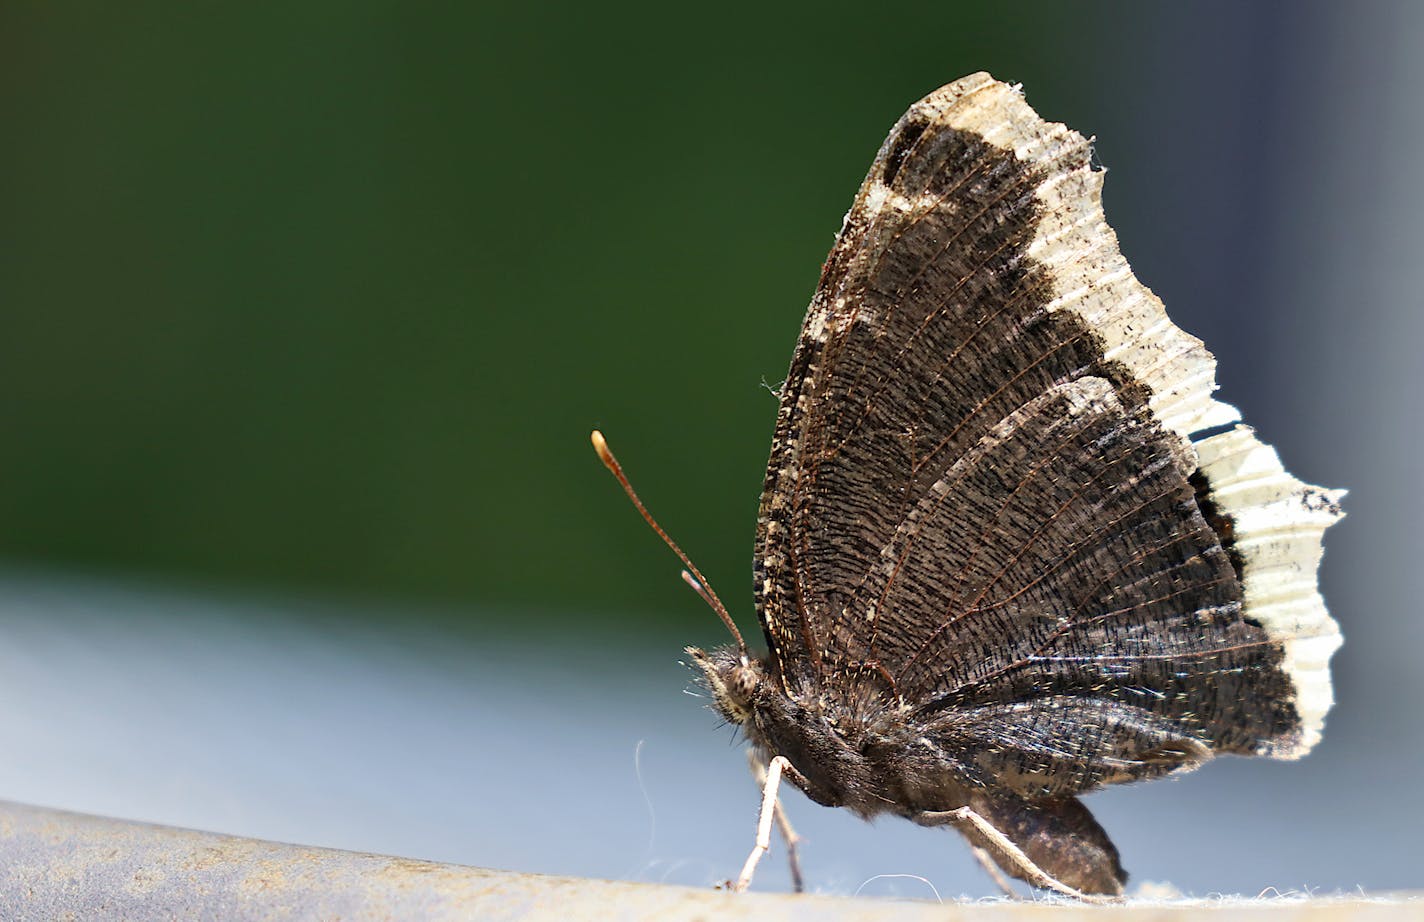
(58,865)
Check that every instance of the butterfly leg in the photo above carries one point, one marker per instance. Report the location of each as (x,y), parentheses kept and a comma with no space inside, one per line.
(788,835)
(986,861)
(984,835)
(774,769)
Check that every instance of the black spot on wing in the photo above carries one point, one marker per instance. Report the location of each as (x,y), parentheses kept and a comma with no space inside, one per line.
(900,147)
(1221,523)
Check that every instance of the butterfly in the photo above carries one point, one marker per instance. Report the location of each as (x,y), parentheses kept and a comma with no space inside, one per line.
(1010,549)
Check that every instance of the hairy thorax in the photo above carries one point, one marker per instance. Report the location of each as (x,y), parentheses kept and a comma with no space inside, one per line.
(867,759)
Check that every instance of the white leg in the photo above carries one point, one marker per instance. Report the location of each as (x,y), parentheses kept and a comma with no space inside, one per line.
(788,835)
(768,812)
(986,861)
(1035,875)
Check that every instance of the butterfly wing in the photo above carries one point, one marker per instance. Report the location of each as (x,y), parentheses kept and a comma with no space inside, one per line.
(984,500)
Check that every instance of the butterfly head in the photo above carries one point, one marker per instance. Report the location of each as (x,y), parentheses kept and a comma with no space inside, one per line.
(733,678)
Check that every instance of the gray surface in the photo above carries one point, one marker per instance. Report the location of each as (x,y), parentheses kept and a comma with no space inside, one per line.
(58,865)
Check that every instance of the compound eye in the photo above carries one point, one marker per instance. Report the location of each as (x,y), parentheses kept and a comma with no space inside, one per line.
(745,682)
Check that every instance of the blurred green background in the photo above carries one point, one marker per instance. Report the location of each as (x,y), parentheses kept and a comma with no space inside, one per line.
(326,297)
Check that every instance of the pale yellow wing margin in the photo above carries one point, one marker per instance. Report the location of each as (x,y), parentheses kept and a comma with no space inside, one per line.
(1278,524)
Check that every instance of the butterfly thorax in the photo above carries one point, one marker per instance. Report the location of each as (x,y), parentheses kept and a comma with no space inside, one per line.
(871,761)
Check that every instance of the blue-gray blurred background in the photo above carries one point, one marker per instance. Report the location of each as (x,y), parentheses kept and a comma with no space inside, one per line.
(306,312)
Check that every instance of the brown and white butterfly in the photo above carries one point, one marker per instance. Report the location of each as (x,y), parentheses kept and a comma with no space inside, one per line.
(1010,549)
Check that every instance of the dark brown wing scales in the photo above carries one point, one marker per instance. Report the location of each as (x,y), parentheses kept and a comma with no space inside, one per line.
(892,374)
(979,495)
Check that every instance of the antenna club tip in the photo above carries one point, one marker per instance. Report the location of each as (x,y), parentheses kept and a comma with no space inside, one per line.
(600,445)
(690,575)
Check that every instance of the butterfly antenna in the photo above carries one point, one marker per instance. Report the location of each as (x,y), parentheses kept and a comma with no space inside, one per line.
(692,576)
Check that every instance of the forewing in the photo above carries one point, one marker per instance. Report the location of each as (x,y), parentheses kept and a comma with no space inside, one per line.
(983,488)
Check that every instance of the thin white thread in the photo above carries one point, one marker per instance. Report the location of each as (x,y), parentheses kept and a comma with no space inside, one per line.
(649,861)
(643,789)
(923,880)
